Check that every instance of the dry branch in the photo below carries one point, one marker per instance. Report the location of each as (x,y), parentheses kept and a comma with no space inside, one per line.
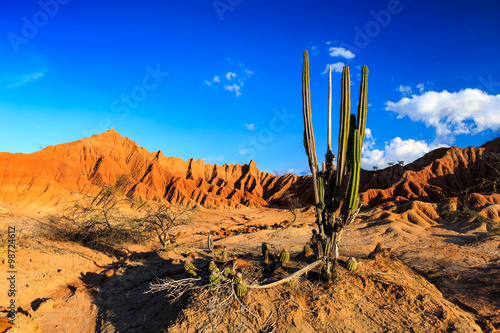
(288,278)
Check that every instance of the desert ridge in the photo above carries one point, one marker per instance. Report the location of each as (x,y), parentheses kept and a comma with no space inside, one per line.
(60,173)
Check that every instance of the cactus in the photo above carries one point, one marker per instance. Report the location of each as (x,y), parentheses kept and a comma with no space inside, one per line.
(307,249)
(189,266)
(336,193)
(284,256)
(321,192)
(212,266)
(226,272)
(210,243)
(264,248)
(266,256)
(238,278)
(191,273)
(309,142)
(224,254)
(214,280)
(351,264)
(240,288)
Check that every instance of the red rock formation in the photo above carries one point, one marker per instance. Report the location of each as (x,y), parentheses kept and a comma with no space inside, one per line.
(59,174)
(444,172)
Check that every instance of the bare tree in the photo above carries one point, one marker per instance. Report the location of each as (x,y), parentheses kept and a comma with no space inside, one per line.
(293,203)
(163,218)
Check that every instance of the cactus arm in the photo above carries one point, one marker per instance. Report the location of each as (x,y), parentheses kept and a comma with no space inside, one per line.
(355,171)
(329,123)
(345,111)
(309,135)
(362,105)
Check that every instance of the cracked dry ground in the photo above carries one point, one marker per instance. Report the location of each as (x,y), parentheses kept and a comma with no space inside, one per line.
(67,287)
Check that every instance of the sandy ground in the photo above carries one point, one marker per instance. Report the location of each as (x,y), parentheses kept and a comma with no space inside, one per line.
(67,287)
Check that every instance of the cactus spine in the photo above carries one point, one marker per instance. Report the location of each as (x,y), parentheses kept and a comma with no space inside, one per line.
(336,193)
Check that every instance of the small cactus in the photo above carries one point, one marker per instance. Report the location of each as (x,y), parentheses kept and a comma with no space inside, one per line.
(224,254)
(351,264)
(212,266)
(214,280)
(307,249)
(284,256)
(264,249)
(191,273)
(210,242)
(266,256)
(241,289)
(189,266)
(238,278)
(226,271)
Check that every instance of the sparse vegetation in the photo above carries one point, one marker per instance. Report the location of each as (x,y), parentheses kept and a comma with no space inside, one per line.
(293,203)
(103,218)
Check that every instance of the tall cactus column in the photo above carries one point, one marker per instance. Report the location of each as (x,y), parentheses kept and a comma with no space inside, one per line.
(336,189)
(309,143)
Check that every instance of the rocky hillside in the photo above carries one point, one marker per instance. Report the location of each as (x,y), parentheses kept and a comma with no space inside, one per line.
(61,173)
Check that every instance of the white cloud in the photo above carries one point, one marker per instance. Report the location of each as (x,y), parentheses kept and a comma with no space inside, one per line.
(468,111)
(394,151)
(420,87)
(231,81)
(230,75)
(25,79)
(405,90)
(336,67)
(234,87)
(243,152)
(213,159)
(341,52)
(213,82)
(250,127)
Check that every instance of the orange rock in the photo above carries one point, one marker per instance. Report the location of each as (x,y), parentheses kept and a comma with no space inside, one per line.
(57,174)
(5,324)
(237,263)
(107,274)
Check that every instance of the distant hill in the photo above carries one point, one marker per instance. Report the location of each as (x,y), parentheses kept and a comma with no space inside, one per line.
(61,173)
(58,174)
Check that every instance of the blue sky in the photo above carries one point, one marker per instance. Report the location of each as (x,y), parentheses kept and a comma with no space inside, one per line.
(221,80)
